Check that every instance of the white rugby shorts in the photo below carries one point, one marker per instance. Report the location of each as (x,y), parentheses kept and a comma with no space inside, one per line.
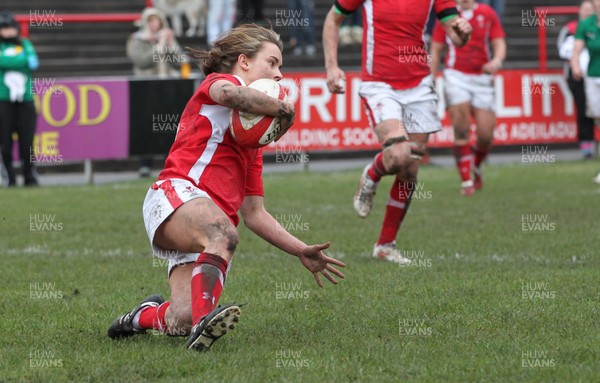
(476,89)
(592,95)
(415,107)
(162,199)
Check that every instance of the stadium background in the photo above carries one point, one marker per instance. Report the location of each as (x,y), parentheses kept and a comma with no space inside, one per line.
(106,114)
(503,286)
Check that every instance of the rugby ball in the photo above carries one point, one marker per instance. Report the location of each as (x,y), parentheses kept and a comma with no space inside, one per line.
(255,131)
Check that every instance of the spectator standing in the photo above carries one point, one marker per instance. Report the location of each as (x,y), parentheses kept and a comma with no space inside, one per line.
(17,110)
(221,16)
(302,26)
(566,42)
(588,36)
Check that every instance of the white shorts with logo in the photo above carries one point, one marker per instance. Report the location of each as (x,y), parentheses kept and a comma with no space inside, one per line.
(415,107)
(476,89)
(162,199)
(592,95)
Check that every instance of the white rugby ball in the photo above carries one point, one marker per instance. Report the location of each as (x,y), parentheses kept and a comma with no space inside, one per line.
(256,131)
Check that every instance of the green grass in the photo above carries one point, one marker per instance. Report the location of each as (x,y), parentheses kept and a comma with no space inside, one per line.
(467,297)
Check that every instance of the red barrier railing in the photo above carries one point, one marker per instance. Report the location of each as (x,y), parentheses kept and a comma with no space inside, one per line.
(36,19)
(25,21)
(542,26)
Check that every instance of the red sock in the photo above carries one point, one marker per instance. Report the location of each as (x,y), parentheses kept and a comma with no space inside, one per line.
(395,210)
(377,170)
(463,156)
(208,278)
(480,155)
(154,317)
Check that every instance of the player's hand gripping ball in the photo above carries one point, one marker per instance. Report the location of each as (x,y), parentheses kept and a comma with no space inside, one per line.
(255,131)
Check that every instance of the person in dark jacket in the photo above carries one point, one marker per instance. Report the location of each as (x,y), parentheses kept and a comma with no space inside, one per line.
(566,42)
(17,110)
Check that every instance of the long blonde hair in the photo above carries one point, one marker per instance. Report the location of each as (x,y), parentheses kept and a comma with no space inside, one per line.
(245,39)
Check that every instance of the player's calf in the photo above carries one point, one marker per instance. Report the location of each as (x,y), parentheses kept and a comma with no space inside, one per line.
(178,320)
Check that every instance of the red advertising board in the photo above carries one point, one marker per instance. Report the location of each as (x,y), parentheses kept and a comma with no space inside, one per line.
(532,108)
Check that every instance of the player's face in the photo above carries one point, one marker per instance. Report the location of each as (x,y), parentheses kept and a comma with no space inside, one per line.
(586,10)
(466,4)
(265,64)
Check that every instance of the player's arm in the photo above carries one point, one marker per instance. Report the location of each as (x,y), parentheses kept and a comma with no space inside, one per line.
(575,67)
(458,29)
(259,221)
(331,37)
(499,49)
(250,100)
(435,50)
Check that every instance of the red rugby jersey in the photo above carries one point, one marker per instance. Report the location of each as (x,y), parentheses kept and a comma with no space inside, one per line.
(205,153)
(477,52)
(393,47)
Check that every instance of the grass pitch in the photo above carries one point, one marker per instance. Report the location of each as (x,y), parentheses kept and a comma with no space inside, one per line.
(503,286)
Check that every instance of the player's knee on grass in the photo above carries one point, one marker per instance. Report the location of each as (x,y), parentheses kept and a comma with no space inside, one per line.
(397,157)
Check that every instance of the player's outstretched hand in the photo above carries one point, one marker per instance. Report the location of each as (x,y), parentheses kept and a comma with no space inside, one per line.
(315,260)
(335,80)
(462,28)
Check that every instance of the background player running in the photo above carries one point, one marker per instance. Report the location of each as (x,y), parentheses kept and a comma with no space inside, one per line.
(398,94)
(190,213)
(469,87)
